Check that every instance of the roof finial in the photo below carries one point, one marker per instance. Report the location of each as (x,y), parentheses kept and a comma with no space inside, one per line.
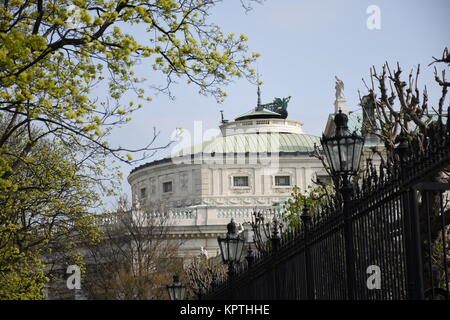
(222,118)
(259,96)
(258,92)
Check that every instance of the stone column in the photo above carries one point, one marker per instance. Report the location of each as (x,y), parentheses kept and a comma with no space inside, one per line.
(340,104)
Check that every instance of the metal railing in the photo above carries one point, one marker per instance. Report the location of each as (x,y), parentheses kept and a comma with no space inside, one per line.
(392,245)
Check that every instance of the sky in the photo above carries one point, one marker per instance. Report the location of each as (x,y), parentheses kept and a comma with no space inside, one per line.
(303,44)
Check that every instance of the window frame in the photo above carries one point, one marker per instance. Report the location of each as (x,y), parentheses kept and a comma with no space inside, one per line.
(274,184)
(143,192)
(171,187)
(240,176)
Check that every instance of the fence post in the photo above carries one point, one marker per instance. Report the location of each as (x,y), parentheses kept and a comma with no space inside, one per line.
(306,219)
(415,260)
(411,232)
(346,191)
(275,238)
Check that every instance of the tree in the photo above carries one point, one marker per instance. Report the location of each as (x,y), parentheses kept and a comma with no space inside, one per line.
(44,209)
(22,275)
(53,146)
(287,218)
(396,109)
(134,259)
(401,107)
(393,109)
(203,272)
(312,199)
(54,52)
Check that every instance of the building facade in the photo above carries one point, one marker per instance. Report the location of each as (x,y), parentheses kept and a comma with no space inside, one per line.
(253,164)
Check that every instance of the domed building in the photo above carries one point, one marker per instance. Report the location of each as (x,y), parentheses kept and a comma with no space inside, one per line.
(253,164)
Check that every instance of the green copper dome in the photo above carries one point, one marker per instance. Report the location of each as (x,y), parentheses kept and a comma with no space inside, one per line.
(253,142)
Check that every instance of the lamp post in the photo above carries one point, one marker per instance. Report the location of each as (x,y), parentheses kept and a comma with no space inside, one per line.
(343,152)
(176,289)
(231,247)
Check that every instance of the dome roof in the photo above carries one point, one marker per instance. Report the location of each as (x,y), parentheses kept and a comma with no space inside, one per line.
(259,114)
(262,130)
(254,142)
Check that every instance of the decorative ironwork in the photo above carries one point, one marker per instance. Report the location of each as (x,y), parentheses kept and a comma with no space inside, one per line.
(395,213)
(266,226)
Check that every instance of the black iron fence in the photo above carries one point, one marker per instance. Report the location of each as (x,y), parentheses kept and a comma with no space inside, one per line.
(392,244)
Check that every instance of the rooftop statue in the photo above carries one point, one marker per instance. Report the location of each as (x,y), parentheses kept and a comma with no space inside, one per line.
(279,105)
(339,88)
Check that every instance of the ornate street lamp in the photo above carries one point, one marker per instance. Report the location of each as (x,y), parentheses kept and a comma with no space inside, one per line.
(176,289)
(231,247)
(344,149)
(343,152)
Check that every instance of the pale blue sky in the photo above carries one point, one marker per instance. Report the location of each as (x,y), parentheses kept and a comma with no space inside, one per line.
(304,44)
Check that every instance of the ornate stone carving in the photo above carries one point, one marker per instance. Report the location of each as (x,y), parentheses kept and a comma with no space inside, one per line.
(282,190)
(234,201)
(241,191)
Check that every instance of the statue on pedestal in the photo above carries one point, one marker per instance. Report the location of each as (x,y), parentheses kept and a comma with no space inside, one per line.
(339,89)
(340,103)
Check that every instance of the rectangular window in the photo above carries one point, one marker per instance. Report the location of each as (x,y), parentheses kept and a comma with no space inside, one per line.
(167,186)
(143,192)
(282,180)
(240,181)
